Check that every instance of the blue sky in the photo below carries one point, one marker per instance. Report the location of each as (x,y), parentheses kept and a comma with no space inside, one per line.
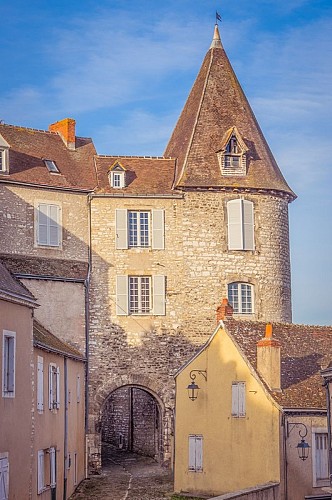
(123,70)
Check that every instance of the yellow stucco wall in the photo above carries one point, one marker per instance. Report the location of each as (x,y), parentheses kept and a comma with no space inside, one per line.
(237,452)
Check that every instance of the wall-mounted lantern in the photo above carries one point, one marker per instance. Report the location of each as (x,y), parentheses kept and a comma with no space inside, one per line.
(302,447)
(193,388)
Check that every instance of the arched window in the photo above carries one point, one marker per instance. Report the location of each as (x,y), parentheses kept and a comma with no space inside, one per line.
(241,297)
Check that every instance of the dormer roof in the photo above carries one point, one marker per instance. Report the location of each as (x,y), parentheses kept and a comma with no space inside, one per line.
(216,105)
(117,166)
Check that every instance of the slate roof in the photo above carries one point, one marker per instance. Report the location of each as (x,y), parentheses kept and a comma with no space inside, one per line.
(305,350)
(217,103)
(44,339)
(28,148)
(144,175)
(10,286)
(41,266)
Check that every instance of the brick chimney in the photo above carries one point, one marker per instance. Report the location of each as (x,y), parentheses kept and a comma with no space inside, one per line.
(66,129)
(268,359)
(225,310)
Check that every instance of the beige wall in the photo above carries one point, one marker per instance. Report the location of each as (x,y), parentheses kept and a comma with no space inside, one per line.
(16,413)
(235,451)
(50,424)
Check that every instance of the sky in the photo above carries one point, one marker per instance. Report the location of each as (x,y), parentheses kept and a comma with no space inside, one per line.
(123,71)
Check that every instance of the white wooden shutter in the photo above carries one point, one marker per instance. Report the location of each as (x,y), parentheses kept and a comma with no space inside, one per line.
(199,453)
(50,387)
(159,295)
(10,362)
(52,453)
(122,295)
(321,451)
(78,389)
(192,452)
(242,399)
(158,229)
(248,225)
(40,471)
(40,384)
(54,228)
(121,228)
(234,214)
(235,400)
(57,387)
(42,224)
(4,479)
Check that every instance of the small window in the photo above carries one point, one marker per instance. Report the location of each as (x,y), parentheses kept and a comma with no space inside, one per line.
(8,364)
(4,478)
(51,166)
(233,154)
(140,295)
(240,296)
(117,177)
(54,387)
(46,469)
(48,225)
(4,155)
(195,453)
(238,399)
(320,457)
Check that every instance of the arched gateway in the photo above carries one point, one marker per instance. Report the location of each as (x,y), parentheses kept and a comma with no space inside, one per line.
(132,420)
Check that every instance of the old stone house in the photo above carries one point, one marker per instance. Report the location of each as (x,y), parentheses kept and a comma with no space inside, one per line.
(123,252)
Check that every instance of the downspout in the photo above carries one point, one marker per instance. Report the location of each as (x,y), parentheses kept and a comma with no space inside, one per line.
(87,327)
(329,423)
(284,424)
(65,443)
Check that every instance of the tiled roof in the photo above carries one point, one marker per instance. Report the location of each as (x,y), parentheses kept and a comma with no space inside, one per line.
(144,175)
(28,148)
(57,268)
(305,350)
(217,103)
(46,340)
(12,286)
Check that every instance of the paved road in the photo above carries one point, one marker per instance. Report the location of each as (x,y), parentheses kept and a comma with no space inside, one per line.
(127,476)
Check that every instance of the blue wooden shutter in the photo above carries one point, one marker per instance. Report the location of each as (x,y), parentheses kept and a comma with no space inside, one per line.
(158,230)
(121,229)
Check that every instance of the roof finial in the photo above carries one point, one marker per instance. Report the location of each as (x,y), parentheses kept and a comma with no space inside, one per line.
(216,41)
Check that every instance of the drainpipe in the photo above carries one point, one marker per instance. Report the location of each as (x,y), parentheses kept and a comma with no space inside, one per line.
(329,423)
(87,326)
(65,443)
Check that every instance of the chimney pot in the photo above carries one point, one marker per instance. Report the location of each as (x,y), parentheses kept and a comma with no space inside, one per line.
(268,359)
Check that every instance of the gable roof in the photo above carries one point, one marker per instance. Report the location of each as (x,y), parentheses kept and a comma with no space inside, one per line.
(305,350)
(44,339)
(216,104)
(28,149)
(144,175)
(12,289)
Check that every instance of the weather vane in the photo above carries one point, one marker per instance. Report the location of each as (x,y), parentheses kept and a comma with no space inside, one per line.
(218,17)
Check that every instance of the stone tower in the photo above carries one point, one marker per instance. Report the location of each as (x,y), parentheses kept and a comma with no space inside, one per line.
(171,236)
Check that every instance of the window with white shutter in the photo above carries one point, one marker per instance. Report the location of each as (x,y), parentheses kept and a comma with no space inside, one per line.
(240,215)
(52,454)
(40,471)
(320,457)
(195,453)
(238,399)
(140,229)
(78,389)
(4,478)
(8,364)
(48,225)
(54,387)
(139,295)
(40,384)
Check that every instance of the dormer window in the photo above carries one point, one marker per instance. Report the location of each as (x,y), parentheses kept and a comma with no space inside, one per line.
(233,154)
(117,176)
(51,166)
(4,156)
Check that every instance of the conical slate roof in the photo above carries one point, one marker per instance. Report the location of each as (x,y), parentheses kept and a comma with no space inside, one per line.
(215,105)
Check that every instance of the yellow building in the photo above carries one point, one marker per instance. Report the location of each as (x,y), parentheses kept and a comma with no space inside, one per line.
(245,402)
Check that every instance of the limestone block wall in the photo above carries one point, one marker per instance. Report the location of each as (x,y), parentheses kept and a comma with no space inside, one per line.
(18,222)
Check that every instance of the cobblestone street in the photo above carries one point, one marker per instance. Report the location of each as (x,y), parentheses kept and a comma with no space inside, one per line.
(127,476)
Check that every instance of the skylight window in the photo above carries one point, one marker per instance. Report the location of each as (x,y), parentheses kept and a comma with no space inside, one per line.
(51,166)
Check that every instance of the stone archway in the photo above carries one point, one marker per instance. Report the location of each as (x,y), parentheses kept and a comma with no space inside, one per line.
(131,420)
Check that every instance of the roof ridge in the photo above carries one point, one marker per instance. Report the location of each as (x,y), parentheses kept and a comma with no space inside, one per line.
(20,127)
(138,157)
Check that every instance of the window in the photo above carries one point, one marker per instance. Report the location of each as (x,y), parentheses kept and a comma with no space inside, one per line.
(54,387)
(40,384)
(140,295)
(4,478)
(4,155)
(238,399)
(240,215)
(117,176)
(233,154)
(8,364)
(51,166)
(48,224)
(46,468)
(320,457)
(195,453)
(240,296)
(140,228)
